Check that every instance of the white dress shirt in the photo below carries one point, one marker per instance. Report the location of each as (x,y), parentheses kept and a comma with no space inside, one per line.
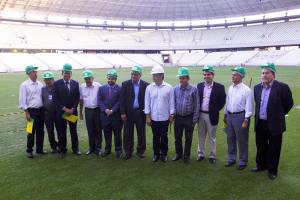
(239,98)
(89,95)
(206,96)
(159,101)
(30,94)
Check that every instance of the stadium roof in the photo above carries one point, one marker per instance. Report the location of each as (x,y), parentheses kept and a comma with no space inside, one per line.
(148,10)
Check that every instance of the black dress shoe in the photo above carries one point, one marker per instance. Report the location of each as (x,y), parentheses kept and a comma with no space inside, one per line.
(62,155)
(241,167)
(42,152)
(98,152)
(105,154)
(118,154)
(200,158)
(164,158)
(186,160)
(29,155)
(256,169)
(155,158)
(229,164)
(127,156)
(176,157)
(212,160)
(77,152)
(89,152)
(140,155)
(272,176)
(53,150)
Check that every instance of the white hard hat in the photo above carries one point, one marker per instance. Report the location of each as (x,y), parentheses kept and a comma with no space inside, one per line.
(157,70)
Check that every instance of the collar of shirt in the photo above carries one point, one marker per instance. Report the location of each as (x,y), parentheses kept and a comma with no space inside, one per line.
(267,85)
(188,87)
(65,81)
(238,85)
(162,84)
(111,86)
(208,85)
(32,82)
(92,86)
(138,83)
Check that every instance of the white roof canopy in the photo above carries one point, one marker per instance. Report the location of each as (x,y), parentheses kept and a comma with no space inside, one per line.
(148,10)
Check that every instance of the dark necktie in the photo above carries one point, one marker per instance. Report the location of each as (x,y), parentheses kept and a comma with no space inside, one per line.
(68,85)
(109,92)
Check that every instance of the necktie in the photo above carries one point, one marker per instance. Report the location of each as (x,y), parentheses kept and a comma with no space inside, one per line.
(109,92)
(68,85)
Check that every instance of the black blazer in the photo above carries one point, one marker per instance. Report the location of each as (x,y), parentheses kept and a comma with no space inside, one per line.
(279,104)
(216,102)
(127,97)
(62,97)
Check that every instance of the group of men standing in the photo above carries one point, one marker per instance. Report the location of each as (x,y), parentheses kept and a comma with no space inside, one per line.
(112,107)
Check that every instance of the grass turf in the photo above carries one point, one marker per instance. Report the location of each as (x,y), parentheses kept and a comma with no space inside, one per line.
(90,177)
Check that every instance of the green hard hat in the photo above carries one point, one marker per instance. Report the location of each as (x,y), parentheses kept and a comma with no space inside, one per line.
(30,68)
(208,68)
(183,71)
(270,66)
(239,69)
(67,67)
(48,75)
(137,69)
(87,74)
(112,73)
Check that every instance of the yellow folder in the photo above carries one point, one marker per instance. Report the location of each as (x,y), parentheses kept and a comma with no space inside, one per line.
(71,118)
(29,126)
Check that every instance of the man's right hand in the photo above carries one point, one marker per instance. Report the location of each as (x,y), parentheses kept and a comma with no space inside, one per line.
(225,119)
(68,111)
(81,116)
(124,117)
(27,116)
(148,120)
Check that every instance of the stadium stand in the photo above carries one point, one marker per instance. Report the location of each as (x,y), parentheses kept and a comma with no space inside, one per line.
(14,62)
(50,37)
(292,58)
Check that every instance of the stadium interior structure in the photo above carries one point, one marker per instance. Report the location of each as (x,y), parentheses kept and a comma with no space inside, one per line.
(224,33)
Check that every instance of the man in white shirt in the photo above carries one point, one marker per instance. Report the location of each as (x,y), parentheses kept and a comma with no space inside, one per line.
(30,101)
(88,101)
(238,111)
(159,110)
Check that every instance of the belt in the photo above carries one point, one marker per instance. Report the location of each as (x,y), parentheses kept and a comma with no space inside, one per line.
(180,116)
(235,113)
(35,108)
(207,112)
(91,108)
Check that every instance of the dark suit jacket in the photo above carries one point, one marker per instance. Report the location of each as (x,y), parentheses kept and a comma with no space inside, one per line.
(62,97)
(127,97)
(279,104)
(216,102)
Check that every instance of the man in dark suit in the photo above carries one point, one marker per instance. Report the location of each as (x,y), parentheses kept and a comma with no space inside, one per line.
(66,98)
(131,107)
(273,101)
(212,100)
(109,104)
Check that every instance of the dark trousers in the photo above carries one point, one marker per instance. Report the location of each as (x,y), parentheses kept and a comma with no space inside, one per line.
(183,123)
(160,137)
(112,125)
(93,125)
(37,114)
(139,120)
(62,133)
(268,147)
(50,123)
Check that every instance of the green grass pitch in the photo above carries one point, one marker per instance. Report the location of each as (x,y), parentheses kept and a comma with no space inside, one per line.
(91,177)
